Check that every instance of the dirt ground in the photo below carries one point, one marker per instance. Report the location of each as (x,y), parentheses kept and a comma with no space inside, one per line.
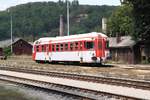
(140,72)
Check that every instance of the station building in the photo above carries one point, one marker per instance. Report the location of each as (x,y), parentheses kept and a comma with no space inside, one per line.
(20,46)
(125,50)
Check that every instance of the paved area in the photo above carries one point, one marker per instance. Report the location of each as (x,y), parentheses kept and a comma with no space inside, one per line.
(139,93)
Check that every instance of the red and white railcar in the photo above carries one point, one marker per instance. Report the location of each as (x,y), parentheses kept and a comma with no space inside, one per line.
(83,48)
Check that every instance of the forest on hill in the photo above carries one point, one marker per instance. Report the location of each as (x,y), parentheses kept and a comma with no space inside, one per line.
(34,20)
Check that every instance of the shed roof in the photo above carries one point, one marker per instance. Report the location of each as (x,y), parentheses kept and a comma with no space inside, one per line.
(126,41)
(6,43)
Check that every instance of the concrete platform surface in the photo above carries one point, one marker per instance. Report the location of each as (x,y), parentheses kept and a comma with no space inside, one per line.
(126,91)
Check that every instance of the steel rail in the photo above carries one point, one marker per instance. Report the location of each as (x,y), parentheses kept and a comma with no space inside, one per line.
(96,79)
(81,92)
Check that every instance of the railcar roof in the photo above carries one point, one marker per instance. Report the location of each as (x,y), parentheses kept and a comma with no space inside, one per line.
(87,35)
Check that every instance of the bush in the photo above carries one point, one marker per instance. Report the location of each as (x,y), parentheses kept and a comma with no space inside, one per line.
(7,51)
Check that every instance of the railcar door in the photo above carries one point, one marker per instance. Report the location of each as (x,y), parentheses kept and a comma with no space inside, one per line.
(99,47)
(50,52)
(80,53)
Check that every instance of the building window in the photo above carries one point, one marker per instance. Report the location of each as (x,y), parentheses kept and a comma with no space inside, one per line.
(89,45)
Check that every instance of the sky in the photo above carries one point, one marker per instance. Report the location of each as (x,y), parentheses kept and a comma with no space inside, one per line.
(4,4)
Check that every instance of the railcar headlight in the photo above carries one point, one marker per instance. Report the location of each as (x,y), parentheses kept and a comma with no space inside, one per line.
(93,54)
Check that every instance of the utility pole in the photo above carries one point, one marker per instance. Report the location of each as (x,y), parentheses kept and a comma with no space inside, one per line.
(11,29)
(11,33)
(68,28)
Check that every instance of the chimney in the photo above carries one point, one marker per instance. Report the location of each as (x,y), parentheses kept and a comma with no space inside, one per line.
(61,27)
(104,25)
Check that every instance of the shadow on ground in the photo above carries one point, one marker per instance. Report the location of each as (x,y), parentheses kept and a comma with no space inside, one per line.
(80,64)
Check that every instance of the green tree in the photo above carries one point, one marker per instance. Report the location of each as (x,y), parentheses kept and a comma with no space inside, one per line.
(42,19)
(141,16)
(121,21)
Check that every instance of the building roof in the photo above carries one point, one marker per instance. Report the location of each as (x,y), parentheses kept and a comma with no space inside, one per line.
(6,43)
(125,41)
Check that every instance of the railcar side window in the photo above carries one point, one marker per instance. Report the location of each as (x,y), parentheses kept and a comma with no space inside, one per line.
(76,45)
(53,47)
(57,47)
(71,46)
(61,47)
(89,45)
(43,48)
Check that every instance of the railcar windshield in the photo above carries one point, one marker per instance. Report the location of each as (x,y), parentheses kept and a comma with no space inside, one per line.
(89,45)
(33,48)
(37,48)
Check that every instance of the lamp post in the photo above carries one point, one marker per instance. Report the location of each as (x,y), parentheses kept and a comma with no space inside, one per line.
(11,29)
(68,18)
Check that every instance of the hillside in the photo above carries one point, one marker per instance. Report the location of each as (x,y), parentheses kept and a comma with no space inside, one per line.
(42,19)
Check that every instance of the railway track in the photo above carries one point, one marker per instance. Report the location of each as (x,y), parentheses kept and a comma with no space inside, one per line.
(44,86)
(86,94)
(145,85)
